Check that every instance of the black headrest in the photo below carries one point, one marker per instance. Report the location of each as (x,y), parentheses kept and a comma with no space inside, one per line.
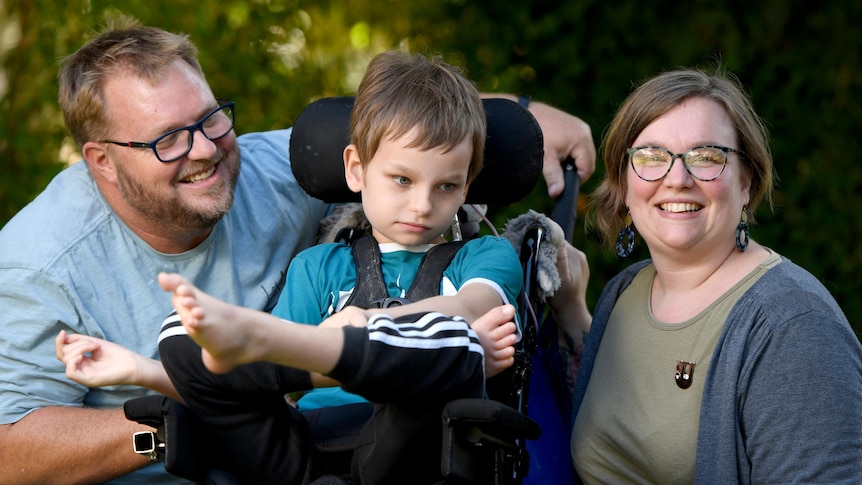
(513,152)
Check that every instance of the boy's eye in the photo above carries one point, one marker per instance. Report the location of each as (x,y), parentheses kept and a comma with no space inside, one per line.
(447,187)
(401,180)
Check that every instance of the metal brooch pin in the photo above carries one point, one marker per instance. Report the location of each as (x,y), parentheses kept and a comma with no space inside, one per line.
(684,374)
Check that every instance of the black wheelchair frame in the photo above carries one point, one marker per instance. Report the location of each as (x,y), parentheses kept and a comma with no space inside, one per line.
(484,439)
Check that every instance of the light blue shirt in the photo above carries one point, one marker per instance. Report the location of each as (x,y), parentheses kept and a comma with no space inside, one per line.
(67,262)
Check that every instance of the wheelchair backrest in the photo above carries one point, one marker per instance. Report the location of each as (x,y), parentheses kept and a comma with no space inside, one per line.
(513,152)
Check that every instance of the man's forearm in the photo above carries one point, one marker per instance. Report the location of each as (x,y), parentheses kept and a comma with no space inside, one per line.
(68,445)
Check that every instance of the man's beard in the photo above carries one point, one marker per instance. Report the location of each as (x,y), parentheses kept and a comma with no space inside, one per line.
(167,207)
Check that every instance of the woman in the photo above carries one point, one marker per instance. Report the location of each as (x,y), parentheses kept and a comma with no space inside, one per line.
(718,360)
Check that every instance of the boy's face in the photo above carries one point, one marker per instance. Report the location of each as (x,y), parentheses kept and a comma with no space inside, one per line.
(410,196)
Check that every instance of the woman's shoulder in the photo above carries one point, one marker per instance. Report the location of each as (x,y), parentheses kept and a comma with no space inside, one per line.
(787,291)
(785,277)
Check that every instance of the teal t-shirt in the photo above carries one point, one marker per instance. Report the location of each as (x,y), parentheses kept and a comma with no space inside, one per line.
(321,279)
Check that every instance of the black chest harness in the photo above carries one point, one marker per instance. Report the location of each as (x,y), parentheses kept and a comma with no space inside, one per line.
(370,290)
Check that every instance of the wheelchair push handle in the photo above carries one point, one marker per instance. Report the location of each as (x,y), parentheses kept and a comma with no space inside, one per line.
(565,211)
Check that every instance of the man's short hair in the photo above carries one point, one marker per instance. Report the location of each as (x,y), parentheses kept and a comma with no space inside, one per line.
(124,44)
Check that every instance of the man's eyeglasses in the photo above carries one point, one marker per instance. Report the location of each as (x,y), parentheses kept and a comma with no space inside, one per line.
(176,144)
(704,163)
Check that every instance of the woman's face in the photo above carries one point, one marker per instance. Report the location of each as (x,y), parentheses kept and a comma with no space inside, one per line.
(680,215)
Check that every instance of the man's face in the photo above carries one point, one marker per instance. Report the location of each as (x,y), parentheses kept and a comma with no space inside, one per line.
(190,193)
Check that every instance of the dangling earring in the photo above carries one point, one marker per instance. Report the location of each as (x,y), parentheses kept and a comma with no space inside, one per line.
(742,231)
(627,236)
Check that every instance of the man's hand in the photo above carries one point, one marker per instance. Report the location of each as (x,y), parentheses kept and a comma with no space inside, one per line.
(565,136)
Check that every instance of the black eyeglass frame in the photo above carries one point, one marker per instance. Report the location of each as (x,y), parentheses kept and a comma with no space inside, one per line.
(197,126)
(631,151)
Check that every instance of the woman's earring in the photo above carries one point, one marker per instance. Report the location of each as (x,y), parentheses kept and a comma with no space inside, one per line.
(627,237)
(742,231)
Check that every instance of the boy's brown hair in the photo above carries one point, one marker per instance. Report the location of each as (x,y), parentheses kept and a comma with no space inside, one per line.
(400,92)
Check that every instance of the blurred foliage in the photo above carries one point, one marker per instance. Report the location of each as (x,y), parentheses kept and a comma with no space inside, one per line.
(799,60)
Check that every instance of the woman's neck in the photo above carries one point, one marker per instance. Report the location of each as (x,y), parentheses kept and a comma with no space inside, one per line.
(683,289)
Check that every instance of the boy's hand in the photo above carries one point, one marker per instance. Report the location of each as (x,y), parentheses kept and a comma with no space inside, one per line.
(496,331)
(94,362)
(350,315)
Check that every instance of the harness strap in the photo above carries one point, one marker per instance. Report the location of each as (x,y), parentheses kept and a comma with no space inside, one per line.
(369,274)
(427,281)
(370,290)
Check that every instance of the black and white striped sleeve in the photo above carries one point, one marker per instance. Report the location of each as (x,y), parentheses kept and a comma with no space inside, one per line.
(420,359)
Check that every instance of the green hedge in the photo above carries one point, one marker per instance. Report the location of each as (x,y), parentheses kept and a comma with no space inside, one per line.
(800,61)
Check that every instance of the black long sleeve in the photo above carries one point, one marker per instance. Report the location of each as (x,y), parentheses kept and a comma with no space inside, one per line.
(410,367)
(423,358)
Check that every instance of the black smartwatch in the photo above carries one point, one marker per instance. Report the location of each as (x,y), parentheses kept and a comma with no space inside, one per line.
(148,443)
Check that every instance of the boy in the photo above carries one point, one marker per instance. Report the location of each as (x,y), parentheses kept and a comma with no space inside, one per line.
(401,117)
(417,132)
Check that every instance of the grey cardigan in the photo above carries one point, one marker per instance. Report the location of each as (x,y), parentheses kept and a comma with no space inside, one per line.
(782,401)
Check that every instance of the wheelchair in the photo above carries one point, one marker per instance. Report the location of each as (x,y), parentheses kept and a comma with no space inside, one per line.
(485,441)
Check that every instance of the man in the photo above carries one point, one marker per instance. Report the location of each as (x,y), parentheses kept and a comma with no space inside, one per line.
(166,186)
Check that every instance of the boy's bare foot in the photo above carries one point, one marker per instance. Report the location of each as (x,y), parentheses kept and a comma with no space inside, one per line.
(220,328)
(496,331)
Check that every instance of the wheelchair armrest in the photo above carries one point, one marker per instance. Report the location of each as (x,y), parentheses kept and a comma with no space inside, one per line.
(481,438)
(187,453)
(495,420)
